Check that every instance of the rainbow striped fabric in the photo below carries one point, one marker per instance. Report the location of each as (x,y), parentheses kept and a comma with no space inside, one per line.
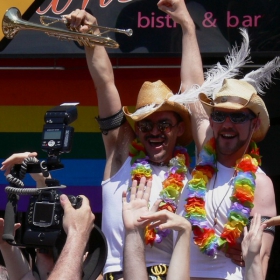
(83,166)
(27,95)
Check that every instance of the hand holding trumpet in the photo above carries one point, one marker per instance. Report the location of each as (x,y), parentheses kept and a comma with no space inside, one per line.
(81,21)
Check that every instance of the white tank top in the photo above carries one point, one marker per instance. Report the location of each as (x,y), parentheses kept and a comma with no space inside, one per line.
(202,265)
(112,223)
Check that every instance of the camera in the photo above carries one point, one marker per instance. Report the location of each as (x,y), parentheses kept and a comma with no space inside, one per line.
(44,218)
(43,226)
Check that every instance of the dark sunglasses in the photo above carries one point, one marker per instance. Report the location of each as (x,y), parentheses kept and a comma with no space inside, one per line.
(236,117)
(145,126)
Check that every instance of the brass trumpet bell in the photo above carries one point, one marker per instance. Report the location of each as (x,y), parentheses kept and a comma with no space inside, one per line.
(13,22)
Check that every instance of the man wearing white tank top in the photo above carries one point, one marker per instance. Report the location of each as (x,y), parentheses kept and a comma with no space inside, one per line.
(160,125)
(227,186)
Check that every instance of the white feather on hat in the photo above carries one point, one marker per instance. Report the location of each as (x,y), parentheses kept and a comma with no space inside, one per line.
(215,76)
(218,82)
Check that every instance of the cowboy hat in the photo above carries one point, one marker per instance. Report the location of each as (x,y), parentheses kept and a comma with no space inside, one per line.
(153,97)
(236,95)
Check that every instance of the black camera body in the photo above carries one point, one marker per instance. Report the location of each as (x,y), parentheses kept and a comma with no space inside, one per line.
(44,217)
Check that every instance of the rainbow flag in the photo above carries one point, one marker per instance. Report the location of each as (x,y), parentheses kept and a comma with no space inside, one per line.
(83,166)
(25,98)
(27,95)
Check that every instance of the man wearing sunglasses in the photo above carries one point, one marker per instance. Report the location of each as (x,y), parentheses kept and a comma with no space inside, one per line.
(228,186)
(160,125)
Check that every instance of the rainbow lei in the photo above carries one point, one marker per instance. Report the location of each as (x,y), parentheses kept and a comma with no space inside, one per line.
(242,199)
(172,185)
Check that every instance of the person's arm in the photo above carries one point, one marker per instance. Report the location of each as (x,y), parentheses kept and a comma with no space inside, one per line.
(77,224)
(179,266)
(134,248)
(251,246)
(180,260)
(109,102)
(18,158)
(191,65)
(136,216)
(16,264)
(264,203)
(274,221)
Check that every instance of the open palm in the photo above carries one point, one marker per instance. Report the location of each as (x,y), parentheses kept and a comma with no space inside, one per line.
(138,204)
(252,241)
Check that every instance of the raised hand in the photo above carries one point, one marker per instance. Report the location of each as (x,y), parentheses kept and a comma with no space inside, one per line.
(175,8)
(16,226)
(252,240)
(137,206)
(134,249)
(251,247)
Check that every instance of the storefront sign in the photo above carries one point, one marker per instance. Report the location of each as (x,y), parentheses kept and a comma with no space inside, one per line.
(154,32)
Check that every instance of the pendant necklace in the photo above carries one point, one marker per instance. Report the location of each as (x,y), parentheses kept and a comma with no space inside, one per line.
(218,207)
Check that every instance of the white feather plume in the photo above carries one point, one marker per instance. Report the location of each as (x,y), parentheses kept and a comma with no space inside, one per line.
(262,77)
(215,76)
(145,109)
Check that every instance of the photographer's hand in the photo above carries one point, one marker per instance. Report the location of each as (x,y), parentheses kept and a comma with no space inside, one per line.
(77,224)
(77,221)
(18,158)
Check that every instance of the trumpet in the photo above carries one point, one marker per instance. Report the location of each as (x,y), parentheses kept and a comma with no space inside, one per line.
(47,21)
(12,23)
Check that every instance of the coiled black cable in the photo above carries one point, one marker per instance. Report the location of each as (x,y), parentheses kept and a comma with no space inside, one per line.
(16,184)
(23,167)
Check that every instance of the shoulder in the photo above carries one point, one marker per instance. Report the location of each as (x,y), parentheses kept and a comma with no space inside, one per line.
(264,200)
(263,181)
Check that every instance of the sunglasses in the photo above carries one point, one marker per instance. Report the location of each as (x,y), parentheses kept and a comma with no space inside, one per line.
(236,117)
(145,126)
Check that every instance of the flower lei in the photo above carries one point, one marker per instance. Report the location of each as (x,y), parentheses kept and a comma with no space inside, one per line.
(242,199)
(172,185)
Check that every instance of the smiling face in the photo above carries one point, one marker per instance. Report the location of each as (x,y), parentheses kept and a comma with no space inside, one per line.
(158,133)
(232,138)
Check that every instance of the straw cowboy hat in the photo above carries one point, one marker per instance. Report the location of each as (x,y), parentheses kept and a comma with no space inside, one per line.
(236,95)
(153,97)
